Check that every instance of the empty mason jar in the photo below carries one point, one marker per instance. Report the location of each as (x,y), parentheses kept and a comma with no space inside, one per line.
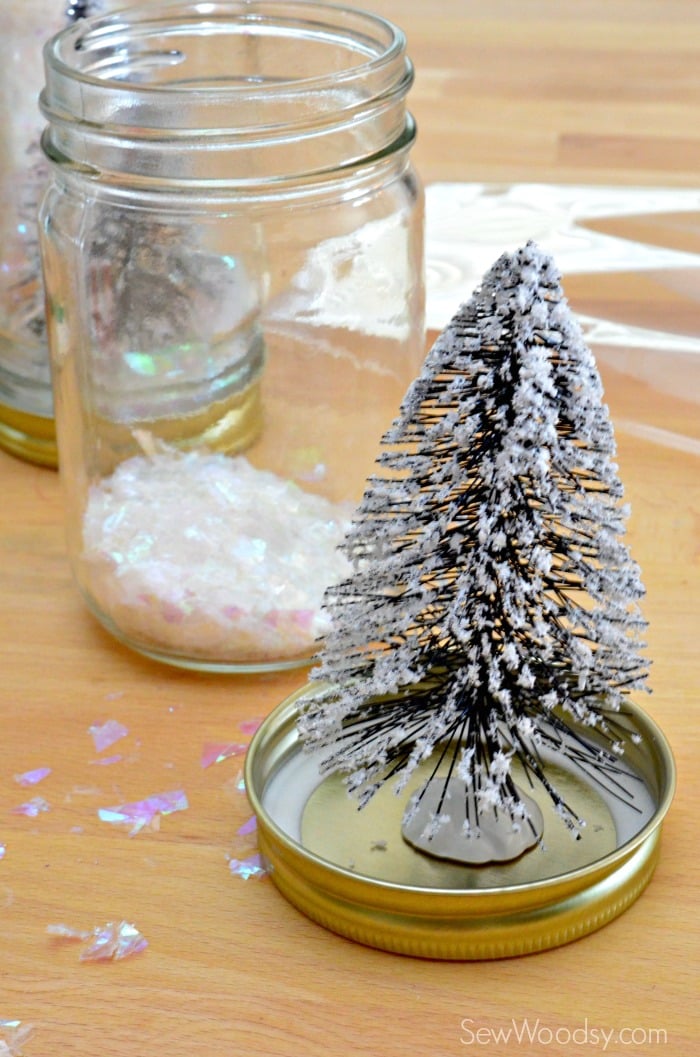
(233,262)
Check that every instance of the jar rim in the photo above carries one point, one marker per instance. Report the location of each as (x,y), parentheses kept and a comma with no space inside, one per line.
(378,43)
(226,90)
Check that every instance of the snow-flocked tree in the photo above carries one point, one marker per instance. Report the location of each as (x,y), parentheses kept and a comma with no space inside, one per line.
(493,607)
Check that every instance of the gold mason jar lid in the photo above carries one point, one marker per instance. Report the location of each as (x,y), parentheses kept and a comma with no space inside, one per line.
(31,437)
(350,870)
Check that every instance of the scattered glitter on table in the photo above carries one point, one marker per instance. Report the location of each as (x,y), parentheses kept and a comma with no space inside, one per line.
(248,827)
(218,752)
(249,726)
(33,777)
(247,868)
(105,734)
(145,813)
(113,941)
(107,761)
(67,932)
(36,806)
(13,1035)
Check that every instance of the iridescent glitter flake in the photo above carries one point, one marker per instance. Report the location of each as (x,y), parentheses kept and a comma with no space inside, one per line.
(249,726)
(105,734)
(106,761)
(32,777)
(215,752)
(13,1035)
(145,813)
(32,807)
(248,827)
(115,940)
(234,787)
(67,932)
(3,850)
(246,868)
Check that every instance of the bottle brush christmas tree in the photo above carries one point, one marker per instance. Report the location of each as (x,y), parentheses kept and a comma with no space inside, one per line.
(491,620)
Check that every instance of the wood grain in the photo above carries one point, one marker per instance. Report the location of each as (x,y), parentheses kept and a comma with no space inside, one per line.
(604,91)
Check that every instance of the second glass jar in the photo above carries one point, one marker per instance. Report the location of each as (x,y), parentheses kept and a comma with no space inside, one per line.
(233,262)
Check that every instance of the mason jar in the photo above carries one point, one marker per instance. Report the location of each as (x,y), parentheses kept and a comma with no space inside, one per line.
(26,409)
(233,264)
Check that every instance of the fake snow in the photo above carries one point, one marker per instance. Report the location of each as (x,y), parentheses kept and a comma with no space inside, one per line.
(204,556)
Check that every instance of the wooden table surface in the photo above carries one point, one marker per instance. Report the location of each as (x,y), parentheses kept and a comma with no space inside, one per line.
(604,91)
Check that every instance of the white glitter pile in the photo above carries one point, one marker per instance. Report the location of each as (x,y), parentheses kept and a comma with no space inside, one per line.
(204,556)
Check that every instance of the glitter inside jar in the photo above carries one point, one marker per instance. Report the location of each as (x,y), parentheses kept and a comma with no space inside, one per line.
(202,555)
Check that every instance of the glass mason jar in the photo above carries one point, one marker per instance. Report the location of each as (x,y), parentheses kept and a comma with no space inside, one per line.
(233,262)
(26,409)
